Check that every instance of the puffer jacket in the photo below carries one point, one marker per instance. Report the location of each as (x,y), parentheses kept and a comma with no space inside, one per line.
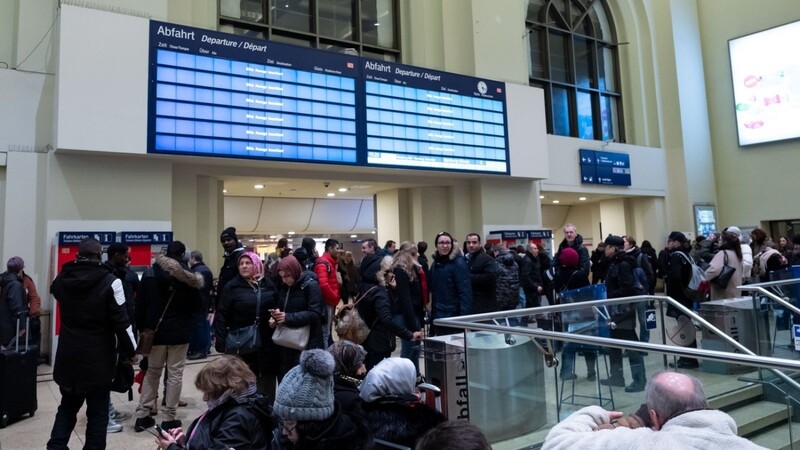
(93,319)
(168,278)
(12,302)
(240,424)
(450,285)
(507,282)
(400,420)
(346,432)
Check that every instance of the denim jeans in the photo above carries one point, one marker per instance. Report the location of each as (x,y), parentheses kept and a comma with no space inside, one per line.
(568,357)
(410,350)
(200,339)
(67,416)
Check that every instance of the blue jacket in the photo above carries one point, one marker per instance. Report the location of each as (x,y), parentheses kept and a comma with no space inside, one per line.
(450,285)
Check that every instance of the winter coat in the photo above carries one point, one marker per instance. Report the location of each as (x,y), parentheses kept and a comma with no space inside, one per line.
(570,278)
(239,424)
(530,277)
(345,391)
(483,275)
(128,289)
(346,432)
(400,420)
(706,429)
(237,309)
(230,268)
(376,310)
(747,261)
(507,282)
(12,302)
(644,262)
(599,265)
(406,295)
(208,285)
(325,267)
(93,320)
(620,282)
(678,274)
(583,254)
(302,303)
(168,278)
(33,301)
(715,268)
(450,285)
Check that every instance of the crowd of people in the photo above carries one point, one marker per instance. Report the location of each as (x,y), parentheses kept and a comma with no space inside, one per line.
(295,394)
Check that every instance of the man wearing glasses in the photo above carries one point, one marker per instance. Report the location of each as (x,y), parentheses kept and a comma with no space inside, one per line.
(450,283)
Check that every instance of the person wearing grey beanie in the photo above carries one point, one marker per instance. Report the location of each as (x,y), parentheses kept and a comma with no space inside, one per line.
(309,416)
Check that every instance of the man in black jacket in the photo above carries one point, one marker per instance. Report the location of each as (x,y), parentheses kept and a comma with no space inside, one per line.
(678,274)
(93,321)
(230,266)
(483,273)
(573,240)
(200,341)
(169,296)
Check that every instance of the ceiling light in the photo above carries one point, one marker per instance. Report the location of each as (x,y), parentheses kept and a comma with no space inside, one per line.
(556,201)
(583,199)
(251,240)
(374,232)
(291,233)
(272,236)
(342,189)
(224,191)
(541,197)
(331,194)
(353,235)
(259,186)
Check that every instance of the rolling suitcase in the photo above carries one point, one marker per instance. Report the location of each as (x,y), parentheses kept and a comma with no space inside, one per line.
(18,378)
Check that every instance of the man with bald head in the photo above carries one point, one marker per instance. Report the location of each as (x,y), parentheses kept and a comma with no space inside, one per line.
(676,415)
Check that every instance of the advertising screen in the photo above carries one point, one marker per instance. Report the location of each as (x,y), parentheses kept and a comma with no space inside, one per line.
(611,168)
(216,94)
(765,71)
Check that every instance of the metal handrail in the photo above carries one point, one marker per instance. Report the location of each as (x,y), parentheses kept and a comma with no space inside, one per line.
(746,357)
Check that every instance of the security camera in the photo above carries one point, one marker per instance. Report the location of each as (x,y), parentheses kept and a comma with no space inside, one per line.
(326,183)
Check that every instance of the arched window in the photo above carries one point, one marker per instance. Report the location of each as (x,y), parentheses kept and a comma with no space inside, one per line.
(369,27)
(573,57)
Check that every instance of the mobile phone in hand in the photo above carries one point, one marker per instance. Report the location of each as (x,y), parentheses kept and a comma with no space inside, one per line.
(155,431)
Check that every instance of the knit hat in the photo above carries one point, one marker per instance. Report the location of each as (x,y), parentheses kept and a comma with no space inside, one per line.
(616,241)
(392,376)
(15,264)
(306,392)
(734,230)
(258,266)
(568,257)
(309,244)
(349,357)
(677,236)
(229,232)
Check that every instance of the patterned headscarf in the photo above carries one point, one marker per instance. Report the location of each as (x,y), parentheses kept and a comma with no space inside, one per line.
(258,266)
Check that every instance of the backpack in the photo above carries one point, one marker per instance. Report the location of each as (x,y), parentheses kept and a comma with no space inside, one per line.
(640,276)
(693,290)
(760,262)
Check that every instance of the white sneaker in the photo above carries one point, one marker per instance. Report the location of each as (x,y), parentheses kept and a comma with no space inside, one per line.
(113,427)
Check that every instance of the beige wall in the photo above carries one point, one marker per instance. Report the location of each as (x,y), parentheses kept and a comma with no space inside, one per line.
(755,183)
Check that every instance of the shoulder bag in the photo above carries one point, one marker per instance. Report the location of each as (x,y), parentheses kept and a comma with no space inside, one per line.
(721,281)
(286,336)
(147,336)
(348,323)
(245,340)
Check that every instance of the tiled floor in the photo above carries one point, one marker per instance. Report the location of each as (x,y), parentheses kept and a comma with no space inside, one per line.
(33,432)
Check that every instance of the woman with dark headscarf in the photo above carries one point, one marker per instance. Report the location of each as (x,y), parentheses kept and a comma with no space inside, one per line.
(348,374)
(237,309)
(299,303)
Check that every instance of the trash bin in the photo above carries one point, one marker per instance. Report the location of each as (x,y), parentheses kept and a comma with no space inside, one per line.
(736,318)
(503,390)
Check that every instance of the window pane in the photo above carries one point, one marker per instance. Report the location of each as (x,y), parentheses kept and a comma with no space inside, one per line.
(535,10)
(584,62)
(585,127)
(602,27)
(249,10)
(291,14)
(377,23)
(559,58)
(383,56)
(535,56)
(608,117)
(336,19)
(607,72)
(557,15)
(561,112)
(255,34)
(277,37)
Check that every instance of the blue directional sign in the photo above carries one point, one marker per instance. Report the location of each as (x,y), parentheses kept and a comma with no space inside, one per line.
(75,237)
(146,237)
(598,167)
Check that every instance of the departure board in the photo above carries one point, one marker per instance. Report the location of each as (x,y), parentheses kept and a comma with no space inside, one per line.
(223,95)
(217,94)
(430,119)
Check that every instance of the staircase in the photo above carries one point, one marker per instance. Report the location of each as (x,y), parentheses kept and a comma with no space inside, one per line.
(764,423)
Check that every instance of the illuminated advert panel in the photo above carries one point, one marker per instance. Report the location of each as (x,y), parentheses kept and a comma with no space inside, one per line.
(217,94)
(430,119)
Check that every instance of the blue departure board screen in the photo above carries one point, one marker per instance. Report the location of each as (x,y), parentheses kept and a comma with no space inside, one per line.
(217,94)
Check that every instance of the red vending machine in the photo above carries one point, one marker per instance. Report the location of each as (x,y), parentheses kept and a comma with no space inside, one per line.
(513,238)
(144,246)
(66,250)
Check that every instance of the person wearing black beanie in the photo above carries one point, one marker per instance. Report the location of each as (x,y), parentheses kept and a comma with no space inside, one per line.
(230,265)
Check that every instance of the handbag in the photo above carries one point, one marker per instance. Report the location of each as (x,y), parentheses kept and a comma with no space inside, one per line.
(294,338)
(123,376)
(721,281)
(147,336)
(348,323)
(245,340)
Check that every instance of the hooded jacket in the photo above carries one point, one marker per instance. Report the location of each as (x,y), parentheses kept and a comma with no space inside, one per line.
(450,285)
(376,309)
(12,302)
(702,430)
(168,278)
(93,319)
